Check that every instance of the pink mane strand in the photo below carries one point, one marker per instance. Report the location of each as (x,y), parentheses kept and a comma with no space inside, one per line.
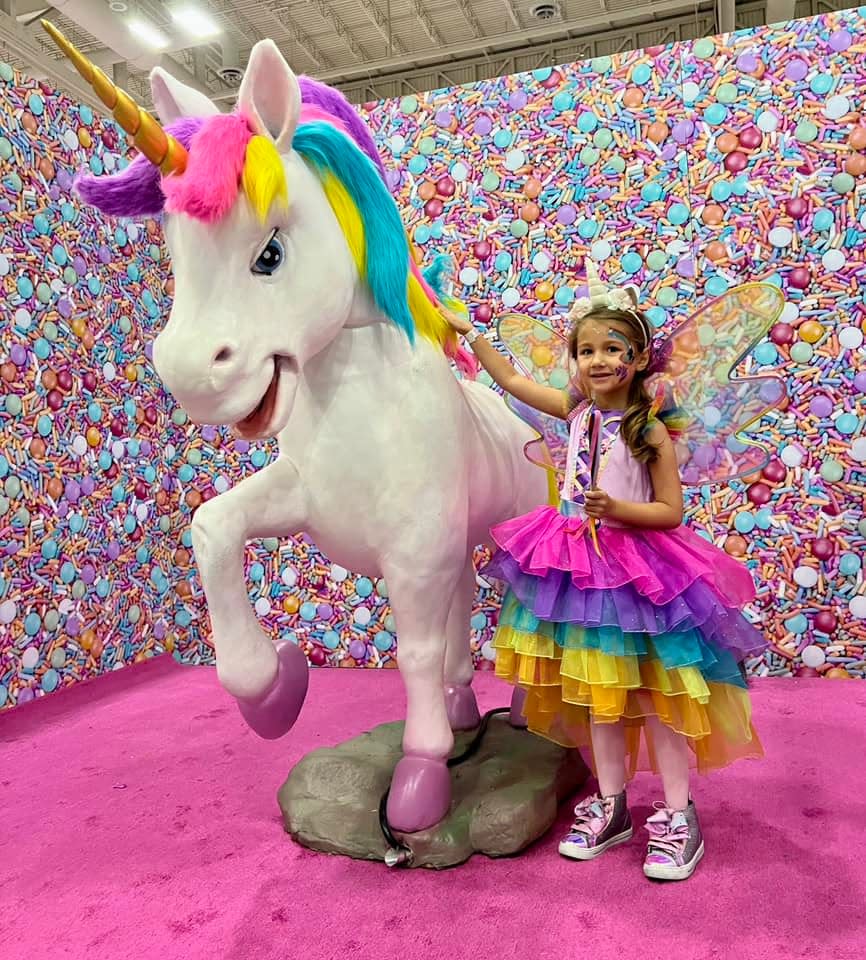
(311,113)
(209,185)
(465,361)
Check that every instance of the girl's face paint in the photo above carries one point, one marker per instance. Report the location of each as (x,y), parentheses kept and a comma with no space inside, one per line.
(607,362)
(628,356)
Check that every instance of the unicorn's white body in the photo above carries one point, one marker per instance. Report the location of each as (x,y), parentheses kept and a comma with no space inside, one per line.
(393,466)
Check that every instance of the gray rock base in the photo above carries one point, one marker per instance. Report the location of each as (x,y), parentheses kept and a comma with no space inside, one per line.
(504,797)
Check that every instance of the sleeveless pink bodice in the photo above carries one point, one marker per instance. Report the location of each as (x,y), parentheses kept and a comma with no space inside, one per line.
(620,475)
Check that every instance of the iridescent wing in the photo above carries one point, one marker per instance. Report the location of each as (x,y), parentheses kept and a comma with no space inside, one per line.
(718,404)
(541,354)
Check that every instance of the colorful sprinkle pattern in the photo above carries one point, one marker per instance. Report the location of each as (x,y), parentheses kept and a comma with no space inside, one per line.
(685,169)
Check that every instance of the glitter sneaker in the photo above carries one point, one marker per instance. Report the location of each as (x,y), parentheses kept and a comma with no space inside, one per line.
(675,845)
(599,823)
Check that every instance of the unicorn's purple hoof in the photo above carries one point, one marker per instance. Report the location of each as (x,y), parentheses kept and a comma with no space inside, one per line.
(420,794)
(274,713)
(516,718)
(461,706)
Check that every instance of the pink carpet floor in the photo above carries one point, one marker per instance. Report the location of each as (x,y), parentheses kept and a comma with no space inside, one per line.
(138,820)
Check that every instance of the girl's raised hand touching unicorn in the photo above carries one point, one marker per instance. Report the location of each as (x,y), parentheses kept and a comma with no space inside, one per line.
(523,389)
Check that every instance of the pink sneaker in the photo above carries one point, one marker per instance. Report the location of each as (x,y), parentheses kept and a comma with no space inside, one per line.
(676,844)
(599,823)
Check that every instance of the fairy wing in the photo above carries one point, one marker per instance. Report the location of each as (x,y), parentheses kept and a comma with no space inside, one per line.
(717,404)
(540,353)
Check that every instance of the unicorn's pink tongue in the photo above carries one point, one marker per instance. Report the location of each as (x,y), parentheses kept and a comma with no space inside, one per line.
(254,426)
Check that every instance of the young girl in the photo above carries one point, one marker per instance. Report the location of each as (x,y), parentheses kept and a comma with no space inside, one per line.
(645,631)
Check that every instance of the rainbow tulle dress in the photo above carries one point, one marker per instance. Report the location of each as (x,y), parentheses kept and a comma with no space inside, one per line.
(651,627)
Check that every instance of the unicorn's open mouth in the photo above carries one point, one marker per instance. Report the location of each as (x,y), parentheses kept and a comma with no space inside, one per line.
(268,417)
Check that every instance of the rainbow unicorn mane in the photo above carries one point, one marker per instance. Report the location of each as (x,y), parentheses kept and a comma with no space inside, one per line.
(226,157)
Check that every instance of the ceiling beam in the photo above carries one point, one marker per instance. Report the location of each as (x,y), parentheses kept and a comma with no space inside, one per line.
(427,25)
(726,16)
(306,43)
(558,30)
(21,42)
(513,13)
(470,18)
(235,19)
(327,13)
(383,27)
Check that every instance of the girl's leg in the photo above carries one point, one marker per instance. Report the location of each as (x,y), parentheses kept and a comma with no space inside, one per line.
(602,820)
(675,844)
(608,747)
(672,755)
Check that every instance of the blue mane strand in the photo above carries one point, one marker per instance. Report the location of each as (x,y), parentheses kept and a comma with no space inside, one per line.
(438,274)
(327,149)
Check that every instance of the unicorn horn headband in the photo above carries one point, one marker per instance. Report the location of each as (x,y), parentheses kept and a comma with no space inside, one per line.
(150,139)
(616,298)
(599,294)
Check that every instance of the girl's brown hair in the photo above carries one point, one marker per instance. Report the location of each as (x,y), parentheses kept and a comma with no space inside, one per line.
(636,415)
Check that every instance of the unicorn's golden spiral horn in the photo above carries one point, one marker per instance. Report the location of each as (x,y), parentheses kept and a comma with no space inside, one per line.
(159,147)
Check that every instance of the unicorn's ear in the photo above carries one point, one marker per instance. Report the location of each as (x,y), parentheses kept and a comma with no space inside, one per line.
(269,96)
(174,99)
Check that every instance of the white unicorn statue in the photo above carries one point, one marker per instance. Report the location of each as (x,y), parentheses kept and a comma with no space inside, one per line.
(299,313)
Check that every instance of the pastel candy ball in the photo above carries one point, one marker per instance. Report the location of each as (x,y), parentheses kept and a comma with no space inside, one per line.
(806,131)
(767,121)
(840,40)
(780,236)
(833,261)
(858,450)
(832,471)
(843,183)
(796,69)
(836,107)
(805,577)
(792,455)
(813,656)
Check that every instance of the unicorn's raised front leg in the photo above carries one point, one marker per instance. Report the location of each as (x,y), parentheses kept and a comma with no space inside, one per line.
(421,786)
(460,699)
(269,682)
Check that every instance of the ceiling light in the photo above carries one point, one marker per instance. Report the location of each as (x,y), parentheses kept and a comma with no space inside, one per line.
(195,22)
(148,34)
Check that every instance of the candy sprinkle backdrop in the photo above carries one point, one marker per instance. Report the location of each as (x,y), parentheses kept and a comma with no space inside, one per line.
(686,169)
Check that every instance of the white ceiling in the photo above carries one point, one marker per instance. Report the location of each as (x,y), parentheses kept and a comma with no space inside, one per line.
(369,48)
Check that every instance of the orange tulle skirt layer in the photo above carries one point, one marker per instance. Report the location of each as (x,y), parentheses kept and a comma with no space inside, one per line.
(568,689)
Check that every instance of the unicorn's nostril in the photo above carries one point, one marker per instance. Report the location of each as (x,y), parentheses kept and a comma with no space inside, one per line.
(223,355)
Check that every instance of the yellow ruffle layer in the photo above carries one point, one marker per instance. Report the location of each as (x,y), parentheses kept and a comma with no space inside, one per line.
(569,689)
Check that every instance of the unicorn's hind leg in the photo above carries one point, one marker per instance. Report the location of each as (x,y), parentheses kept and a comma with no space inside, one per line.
(421,785)
(460,701)
(269,682)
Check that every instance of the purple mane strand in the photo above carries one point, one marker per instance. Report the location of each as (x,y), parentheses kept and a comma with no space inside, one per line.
(333,102)
(135,191)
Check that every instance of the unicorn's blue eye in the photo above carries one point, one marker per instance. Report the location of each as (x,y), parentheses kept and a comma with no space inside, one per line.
(271,258)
